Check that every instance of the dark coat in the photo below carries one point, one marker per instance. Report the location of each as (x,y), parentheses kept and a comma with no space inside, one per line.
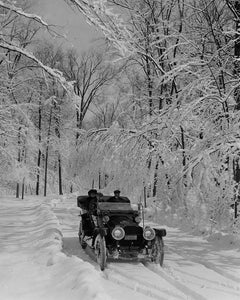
(85,202)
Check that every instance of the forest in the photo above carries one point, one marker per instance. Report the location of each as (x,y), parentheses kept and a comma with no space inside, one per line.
(153,110)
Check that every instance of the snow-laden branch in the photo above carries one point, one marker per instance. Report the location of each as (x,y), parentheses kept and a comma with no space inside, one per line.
(110,23)
(233,9)
(20,12)
(52,72)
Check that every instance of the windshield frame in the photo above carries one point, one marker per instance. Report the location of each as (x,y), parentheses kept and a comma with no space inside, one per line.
(115,206)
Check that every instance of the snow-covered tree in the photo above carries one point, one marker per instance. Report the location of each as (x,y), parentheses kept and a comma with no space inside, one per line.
(20,73)
(184,148)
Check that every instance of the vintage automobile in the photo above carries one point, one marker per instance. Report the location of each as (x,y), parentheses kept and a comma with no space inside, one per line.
(114,232)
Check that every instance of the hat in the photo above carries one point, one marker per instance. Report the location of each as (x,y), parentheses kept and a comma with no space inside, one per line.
(93,191)
(116,192)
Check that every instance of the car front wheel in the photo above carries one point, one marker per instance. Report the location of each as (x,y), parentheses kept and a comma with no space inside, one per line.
(101,251)
(158,251)
(81,235)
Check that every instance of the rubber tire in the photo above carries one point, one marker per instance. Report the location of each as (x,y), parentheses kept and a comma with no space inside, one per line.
(80,236)
(158,251)
(101,251)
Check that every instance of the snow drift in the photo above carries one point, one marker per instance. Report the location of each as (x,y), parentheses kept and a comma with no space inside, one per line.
(32,265)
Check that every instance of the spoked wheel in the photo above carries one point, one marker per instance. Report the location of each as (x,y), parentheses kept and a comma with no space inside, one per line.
(101,251)
(158,251)
(81,235)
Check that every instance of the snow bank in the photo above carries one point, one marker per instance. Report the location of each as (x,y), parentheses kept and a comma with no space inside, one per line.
(224,240)
(156,212)
(32,265)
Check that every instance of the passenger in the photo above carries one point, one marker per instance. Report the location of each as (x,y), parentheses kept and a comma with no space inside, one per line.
(88,205)
(117,198)
(84,202)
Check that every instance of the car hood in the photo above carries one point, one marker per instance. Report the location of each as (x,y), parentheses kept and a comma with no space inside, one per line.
(122,221)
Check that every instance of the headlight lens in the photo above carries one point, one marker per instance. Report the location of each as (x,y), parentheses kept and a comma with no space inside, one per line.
(149,233)
(138,219)
(106,219)
(118,233)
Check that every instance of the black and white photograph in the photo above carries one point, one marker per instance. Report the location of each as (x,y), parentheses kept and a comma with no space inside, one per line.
(119,149)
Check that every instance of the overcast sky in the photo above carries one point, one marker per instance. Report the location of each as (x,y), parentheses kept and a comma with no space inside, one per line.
(72,24)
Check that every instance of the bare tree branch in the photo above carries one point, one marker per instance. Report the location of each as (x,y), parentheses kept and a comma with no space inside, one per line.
(20,12)
(52,72)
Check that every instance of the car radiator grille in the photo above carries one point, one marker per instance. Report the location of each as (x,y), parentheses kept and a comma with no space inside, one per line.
(133,230)
(133,238)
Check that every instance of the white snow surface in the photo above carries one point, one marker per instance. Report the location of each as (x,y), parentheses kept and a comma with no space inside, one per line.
(40,258)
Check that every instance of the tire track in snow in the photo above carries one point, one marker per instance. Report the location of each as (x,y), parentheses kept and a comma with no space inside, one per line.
(210,266)
(174,280)
(146,283)
(133,286)
(72,247)
(125,278)
(205,281)
(113,274)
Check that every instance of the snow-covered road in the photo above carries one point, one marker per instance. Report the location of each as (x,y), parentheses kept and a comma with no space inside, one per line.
(32,265)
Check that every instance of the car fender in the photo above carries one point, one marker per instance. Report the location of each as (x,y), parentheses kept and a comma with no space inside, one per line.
(160,232)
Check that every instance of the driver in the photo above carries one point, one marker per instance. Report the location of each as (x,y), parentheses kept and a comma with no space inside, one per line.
(117,198)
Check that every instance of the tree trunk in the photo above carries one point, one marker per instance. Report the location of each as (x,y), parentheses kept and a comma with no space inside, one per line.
(99,180)
(237,53)
(38,172)
(23,187)
(39,151)
(236,176)
(19,159)
(155,182)
(236,169)
(57,132)
(148,72)
(145,196)
(60,175)
(17,190)
(45,172)
(183,146)
(46,154)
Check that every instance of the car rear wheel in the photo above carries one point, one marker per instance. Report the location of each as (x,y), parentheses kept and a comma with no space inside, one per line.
(81,235)
(158,251)
(101,251)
